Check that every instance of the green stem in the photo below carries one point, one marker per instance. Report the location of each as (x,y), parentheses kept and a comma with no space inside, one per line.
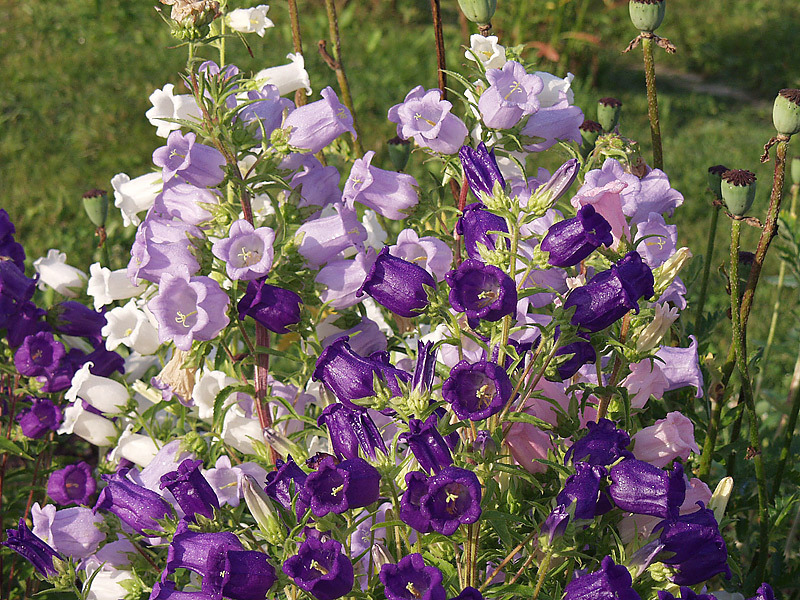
(717,401)
(701,302)
(652,101)
(788,436)
(545,564)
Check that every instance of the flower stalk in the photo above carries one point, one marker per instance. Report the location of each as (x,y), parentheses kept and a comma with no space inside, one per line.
(652,101)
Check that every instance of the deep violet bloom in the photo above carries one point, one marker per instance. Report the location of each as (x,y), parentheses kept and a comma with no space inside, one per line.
(398,285)
(412,579)
(687,593)
(339,487)
(571,240)
(285,482)
(388,193)
(321,569)
(247,252)
(425,367)
(477,391)
(611,582)
(245,575)
(644,489)
(602,445)
(14,285)
(195,163)
(411,512)
(274,307)
(583,488)
(469,593)
(480,169)
(315,125)
(42,416)
(350,429)
(424,116)
(698,549)
(474,226)
(25,319)
(135,505)
(453,499)
(510,96)
(22,541)
(351,376)
(610,294)
(191,489)
(556,524)
(582,353)
(764,592)
(74,484)
(74,318)
(201,553)
(481,291)
(428,445)
(39,355)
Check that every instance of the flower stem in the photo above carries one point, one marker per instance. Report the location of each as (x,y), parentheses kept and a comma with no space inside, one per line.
(507,560)
(652,101)
(543,566)
(602,409)
(439,36)
(701,302)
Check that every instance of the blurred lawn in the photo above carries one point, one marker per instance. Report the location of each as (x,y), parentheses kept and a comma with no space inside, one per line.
(77,76)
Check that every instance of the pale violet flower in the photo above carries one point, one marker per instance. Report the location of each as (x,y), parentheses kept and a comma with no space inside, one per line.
(132,196)
(106,285)
(651,335)
(227,479)
(287,78)
(54,272)
(106,395)
(553,86)
(491,54)
(93,428)
(168,106)
(71,531)
(250,20)
(132,327)
(135,447)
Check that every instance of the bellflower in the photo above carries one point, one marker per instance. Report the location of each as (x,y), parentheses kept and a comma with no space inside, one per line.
(74,484)
(39,355)
(644,489)
(603,445)
(22,541)
(655,250)
(412,579)
(486,50)
(41,417)
(556,185)
(281,481)
(453,498)
(764,592)
(645,380)
(132,196)
(9,247)
(553,87)
(287,78)
(427,444)
(510,96)
(161,246)
(477,391)
(138,448)
(657,196)
(15,287)
(132,327)
(321,568)
(388,193)
(583,488)
(411,511)
(323,238)
(201,553)
(666,440)
(54,272)
(105,285)
(610,582)
(250,20)
(350,429)
(571,240)
(265,110)
(189,309)
(93,428)
(192,491)
(352,483)
(475,224)
(168,106)
(481,291)
(244,575)
(247,252)
(583,353)
(398,285)
(275,308)
(556,524)
(424,116)
(318,185)
(686,594)
(74,318)
(560,121)
(481,170)
(186,202)
(429,252)
(315,125)
(136,506)
(106,395)
(681,367)
(71,531)
(226,480)
(192,162)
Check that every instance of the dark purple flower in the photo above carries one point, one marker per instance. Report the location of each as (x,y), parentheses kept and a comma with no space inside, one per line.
(280,482)
(9,247)
(571,240)
(481,171)
(350,429)
(411,512)
(104,362)
(275,308)
(22,541)
(351,376)
(474,226)
(686,594)
(74,318)
(556,523)
(136,506)
(74,484)
(398,285)
(764,592)
(427,444)
(644,489)
(243,575)
(477,391)
(14,285)
(41,417)
(336,488)
(425,368)
(697,549)
(26,320)
(201,553)
(321,569)
(583,488)
(581,352)
(191,490)
(602,445)
(192,162)
(412,579)
(610,294)
(453,499)
(481,291)
(38,355)
(469,593)
(611,582)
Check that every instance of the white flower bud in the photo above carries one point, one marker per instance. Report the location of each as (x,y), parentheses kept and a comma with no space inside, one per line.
(250,20)
(54,272)
(93,428)
(137,448)
(720,497)
(262,509)
(166,105)
(106,395)
(651,335)
(287,78)
(132,196)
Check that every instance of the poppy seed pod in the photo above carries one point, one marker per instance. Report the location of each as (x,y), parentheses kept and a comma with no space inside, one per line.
(647,15)
(590,131)
(715,179)
(478,11)
(786,112)
(95,203)
(738,189)
(608,111)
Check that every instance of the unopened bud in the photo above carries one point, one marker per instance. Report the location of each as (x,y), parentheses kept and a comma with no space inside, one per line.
(399,152)
(738,188)
(263,510)
(720,497)
(786,112)
(380,556)
(715,179)
(283,445)
(608,111)
(95,203)
(647,15)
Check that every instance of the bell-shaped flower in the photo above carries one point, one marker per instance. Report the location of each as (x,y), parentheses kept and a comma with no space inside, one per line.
(192,491)
(398,285)
(764,592)
(42,416)
(512,94)
(323,238)
(388,193)
(411,511)
(644,489)
(481,170)
(453,499)
(275,308)
(106,285)
(76,319)
(72,531)
(106,395)
(318,185)
(162,245)
(603,445)
(133,196)
(477,391)
(287,78)
(424,116)
(39,355)
(644,381)
(486,50)
(239,431)
(15,287)
(315,125)
(661,240)
(247,252)
(681,367)
(611,581)
(475,225)
(166,105)
(667,439)
(186,202)
(428,445)
(553,88)
(481,291)
(250,20)
(136,506)
(583,488)
(130,326)
(264,112)
(285,482)
(321,568)
(138,448)
(333,487)
(93,428)
(571,240)
(431,253)
(580,353)
(657,196)
(200,553)
(350,429)
(22,541)
(560,121)
(341,279)
(54,272)
(412,578)
(195,163)
(74,484)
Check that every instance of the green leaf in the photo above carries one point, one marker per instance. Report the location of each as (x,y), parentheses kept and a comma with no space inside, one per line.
(9,447)
(523,417)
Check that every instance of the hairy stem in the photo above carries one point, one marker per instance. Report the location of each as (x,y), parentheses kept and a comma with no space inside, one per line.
(701,302)
(439,36)
(652,101)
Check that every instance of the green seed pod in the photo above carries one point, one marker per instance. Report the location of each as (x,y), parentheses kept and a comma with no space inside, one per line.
(478,11)
(95,203)
(399,152)
(647,15)
(795,170)
(590,131)
(786,112)
(608,111)
(738,189)
(715,179)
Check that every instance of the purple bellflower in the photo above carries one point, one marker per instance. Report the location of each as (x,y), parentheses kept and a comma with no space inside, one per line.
(200,553)
(282,481)
(388,193)
(412,579)
(74,484)
(275,308)
(427,444)
(191,489)
(247,252)
(764,592)
(14,285)
(560,181)
(429,252)
(481,170)
(318,185)
(477,391)
(582,353)
(481,291)
(687,593)
(453,499)
(186,202)
(425,367)
(602,445)
(571,240)
(321,569)
(398,285)
(510,96)
(322,239)
(162,245)
(315,125)
(611,582)
(350,429)
(411,512)
(474,226)
(469,593)
(136,506)
(424,116)
(74,318)
(352,483)
(561,121)
(39,355)
(42,416)
(245,575)
(265,110)
(644,489)
(194,163)
(681,367)
(556,524)
(27,320)
(583,488)
(22,541)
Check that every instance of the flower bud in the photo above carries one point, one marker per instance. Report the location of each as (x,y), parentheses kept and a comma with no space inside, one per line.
(720,497)
(478,11)
(608,111)
(715,179)
(786,112)
(95,203)
(263,510)
(399,152)
(738,190)
(380,556)
(647,15)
